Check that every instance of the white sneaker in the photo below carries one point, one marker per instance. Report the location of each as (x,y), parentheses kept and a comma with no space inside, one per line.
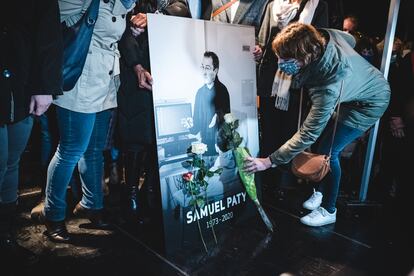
(314,201)
(319,217)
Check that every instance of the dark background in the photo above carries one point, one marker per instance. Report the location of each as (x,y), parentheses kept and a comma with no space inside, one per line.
(373,16)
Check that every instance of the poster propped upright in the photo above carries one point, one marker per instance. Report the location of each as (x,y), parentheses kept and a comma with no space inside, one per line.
(201,70)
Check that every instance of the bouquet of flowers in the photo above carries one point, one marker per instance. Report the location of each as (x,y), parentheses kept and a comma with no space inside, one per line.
(196,183)
(230,139)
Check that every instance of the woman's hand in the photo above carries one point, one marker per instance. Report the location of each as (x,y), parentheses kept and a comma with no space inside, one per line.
(397,127)
(257,53)
(144,77)
(139,20)
(252,165)
(39,104)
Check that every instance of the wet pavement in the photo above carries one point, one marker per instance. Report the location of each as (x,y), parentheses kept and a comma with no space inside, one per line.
(358,244)
(367,239)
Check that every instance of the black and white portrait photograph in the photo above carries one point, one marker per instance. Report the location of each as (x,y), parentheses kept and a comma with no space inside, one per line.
(198,79)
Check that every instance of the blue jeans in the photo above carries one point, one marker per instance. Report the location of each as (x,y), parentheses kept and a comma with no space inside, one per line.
(82,140)
(13,140)
(48,136)
(329,186)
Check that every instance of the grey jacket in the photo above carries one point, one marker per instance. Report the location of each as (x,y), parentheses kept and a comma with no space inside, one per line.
(364,99)
(249,12)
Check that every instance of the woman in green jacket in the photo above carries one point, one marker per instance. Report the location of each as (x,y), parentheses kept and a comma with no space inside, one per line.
(322,61)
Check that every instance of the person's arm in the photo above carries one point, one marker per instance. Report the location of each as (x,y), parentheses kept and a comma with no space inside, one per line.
(46,73)
(400,87)
(48,50)
(264,31)
(225,105)
(321,17)
(323,105)
(135,56)
(129,48)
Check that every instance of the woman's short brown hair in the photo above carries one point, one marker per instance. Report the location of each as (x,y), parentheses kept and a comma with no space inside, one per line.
(299,41)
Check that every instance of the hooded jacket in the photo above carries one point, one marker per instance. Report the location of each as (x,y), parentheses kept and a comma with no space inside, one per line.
(364,98)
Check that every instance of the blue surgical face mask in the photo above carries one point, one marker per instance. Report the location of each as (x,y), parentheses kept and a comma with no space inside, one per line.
(289,66)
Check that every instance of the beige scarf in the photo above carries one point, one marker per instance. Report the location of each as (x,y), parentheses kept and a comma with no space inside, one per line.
(283,12)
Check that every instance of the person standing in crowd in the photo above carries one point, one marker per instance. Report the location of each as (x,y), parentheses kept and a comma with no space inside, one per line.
(278,123)
(30,65)
(243,12)
(135,107)
(396,127)
(350,24)
(83,115)
(326,64)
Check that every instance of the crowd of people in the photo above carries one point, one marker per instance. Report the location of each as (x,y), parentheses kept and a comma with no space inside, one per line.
(109,108)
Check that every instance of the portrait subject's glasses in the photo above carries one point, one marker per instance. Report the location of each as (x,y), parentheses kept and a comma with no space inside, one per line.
(206,67)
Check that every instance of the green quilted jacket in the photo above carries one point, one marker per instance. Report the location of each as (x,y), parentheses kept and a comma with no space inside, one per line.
(364,99)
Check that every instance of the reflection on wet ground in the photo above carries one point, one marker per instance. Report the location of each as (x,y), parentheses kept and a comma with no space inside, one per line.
(365,241)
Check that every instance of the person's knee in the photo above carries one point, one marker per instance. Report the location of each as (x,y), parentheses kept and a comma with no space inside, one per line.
(69,154)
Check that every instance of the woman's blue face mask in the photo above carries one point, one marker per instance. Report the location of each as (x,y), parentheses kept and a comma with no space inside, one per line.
(289,66)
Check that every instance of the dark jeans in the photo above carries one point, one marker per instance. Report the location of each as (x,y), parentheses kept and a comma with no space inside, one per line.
(13,140)
(82,140)
(329,186)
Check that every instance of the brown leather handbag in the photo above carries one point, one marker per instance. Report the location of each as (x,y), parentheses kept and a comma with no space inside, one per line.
(311,166)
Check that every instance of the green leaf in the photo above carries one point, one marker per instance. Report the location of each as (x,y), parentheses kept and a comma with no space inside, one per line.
(218,171)
(200,202)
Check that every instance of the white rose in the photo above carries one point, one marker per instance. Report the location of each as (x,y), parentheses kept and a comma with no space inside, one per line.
(229,118)
(198,148)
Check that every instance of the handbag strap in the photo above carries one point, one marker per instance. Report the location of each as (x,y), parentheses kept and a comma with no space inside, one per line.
(223,8)
(336,119)
(92,12)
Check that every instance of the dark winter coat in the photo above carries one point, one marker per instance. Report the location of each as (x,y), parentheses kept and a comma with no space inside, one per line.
(135,105)
(30,55)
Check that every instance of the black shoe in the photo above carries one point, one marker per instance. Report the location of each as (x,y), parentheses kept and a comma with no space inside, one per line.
(56,231)
(96,217)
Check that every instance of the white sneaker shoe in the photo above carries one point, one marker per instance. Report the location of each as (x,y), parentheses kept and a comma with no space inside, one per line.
(314,201)
(319,217)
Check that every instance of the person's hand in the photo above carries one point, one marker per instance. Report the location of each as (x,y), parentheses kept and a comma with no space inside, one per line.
(139,20)
(257,53)
(144,77)
(187,122)
(136,31)
(397,127)
(252,165)
(39,104)
(213,121)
